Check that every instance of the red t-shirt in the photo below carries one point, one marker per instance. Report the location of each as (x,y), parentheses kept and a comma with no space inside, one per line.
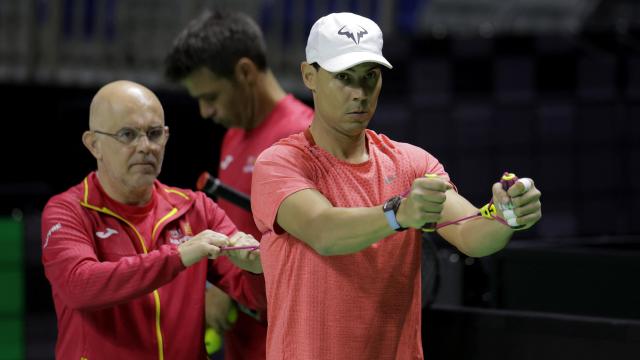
(240,149)
(364,305)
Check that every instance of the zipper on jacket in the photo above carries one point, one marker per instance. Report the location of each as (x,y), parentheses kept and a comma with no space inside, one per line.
(156,294)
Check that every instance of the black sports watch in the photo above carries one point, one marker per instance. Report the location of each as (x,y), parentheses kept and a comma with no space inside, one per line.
(390,209)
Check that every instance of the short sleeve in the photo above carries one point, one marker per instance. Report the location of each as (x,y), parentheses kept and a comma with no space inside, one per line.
(279,172)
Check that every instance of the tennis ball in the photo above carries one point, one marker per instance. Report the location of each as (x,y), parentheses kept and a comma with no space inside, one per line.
(232,317)
(212,341)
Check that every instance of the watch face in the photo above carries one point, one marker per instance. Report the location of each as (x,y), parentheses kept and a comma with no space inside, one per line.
(390,209)
(392,204)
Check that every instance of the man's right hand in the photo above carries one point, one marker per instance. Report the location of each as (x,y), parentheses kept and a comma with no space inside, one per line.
(205,244)
(217,305)
(424,203)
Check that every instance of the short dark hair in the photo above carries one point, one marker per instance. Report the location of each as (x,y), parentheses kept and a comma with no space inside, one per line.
(216,40)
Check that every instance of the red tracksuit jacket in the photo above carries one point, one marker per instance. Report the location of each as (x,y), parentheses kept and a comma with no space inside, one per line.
(121,292)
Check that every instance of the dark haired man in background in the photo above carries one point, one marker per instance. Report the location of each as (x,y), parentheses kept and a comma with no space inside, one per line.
(220,57)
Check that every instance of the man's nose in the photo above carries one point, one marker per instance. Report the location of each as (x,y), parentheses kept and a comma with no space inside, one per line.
(358,92)
(143,142)
(207,110)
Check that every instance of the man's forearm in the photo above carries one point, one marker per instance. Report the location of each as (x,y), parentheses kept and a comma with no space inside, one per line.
(482,237)
(95,285)
(340,231)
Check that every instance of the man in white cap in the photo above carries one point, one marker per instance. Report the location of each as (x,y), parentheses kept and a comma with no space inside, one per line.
(341,207)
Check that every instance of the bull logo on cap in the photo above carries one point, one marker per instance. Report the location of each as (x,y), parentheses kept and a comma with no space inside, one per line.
(353,35)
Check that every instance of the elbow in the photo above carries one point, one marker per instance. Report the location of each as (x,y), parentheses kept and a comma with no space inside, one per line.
(482,251)
(316,238)
(77,302)
(477,243)
(324,241)
(76,296)
(323,245)
(323,249)
(475,253)
(328,246)
(81,307)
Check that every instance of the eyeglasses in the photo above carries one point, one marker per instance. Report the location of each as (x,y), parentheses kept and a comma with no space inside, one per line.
(130,136)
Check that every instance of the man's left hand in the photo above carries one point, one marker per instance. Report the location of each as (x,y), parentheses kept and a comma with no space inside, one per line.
(245,259)
(521,200)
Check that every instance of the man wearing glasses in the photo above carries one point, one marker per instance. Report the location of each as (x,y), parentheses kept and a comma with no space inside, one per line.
(124,253)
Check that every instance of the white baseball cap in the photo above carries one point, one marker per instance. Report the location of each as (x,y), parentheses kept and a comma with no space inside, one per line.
(339,41)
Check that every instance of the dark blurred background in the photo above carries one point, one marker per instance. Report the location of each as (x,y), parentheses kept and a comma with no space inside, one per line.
(548,89)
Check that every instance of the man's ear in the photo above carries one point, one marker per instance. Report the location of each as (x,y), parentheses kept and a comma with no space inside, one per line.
(309,74)
(246,71)
(90,142)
